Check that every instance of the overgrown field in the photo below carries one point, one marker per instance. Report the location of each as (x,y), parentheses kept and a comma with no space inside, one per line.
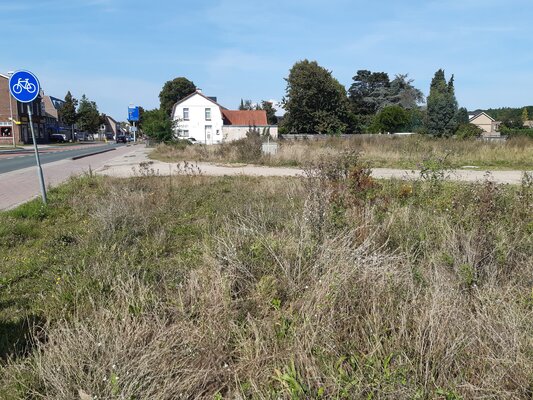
(335,286)
(378,151)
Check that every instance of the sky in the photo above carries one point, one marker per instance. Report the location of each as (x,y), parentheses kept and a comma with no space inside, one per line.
(121,52)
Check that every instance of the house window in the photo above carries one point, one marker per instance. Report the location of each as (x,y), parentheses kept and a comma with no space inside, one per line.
(183,133)
(5,132)
(185,114)
(208,114)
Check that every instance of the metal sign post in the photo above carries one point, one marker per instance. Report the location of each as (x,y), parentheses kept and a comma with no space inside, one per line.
(37,159)
(24,87)
(133,116)
(12,123)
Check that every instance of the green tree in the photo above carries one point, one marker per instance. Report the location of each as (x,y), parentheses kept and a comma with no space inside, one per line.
(417,116)
(512,115)
(157,125)
(368,92)
(315,101)
(139,123)
(88,116)
(371,92)
(401,92)
(67,112)
(462,116)
(270,112)
(441,106)
(467,130)
(391,119)
(525,115)
(173,91)
(246,105)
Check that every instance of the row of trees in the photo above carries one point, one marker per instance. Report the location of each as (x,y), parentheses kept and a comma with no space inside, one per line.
(83,113)
(317,103)
(267,106)
(511,118)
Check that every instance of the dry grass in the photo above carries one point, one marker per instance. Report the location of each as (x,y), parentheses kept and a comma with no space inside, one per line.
(335,287)
(379,151)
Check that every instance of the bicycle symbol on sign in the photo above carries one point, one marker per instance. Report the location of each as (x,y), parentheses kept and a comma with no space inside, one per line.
(24,84)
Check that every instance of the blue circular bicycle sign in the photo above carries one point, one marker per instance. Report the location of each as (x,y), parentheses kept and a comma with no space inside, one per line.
(24,86)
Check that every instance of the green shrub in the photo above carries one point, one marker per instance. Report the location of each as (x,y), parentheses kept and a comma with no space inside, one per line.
(465,131)
(514,132)
(249,148)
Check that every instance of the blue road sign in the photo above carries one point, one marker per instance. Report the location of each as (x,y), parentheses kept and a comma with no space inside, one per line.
(133,113)
(24,86)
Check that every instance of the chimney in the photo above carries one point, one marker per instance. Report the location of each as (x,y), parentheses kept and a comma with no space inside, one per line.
(199,90)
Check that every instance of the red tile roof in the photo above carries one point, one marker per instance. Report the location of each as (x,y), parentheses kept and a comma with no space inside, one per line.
(244,117)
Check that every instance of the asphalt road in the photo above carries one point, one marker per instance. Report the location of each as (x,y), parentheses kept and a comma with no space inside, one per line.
(47,155)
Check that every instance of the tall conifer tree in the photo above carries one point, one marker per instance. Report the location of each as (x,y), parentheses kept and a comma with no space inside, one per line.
(441,106)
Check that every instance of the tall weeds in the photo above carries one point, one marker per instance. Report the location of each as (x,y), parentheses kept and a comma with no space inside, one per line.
(335,287)
(378,150)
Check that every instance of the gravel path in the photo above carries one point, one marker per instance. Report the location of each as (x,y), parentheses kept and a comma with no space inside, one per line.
(129,165)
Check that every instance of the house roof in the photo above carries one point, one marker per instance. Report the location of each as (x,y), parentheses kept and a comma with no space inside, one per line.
(474,116)
(56,102)
(245,117)
(199,94)
(111,118)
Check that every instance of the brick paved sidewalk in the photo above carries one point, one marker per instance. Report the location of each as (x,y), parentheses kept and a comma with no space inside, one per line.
(19,186)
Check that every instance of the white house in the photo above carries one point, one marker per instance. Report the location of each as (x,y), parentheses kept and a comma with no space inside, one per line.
(201,118)
(198,117)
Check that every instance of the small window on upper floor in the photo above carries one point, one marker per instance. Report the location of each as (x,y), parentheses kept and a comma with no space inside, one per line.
(208,114)
(185,114)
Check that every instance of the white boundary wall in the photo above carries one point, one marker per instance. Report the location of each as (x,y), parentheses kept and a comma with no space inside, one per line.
(236,132)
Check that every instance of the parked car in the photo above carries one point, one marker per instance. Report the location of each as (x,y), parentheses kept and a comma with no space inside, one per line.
(58,138)
(82,136)
(189,140)
(129,138)
(121,139)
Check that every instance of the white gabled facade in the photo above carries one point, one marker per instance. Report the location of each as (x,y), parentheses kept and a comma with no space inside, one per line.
(199,117)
